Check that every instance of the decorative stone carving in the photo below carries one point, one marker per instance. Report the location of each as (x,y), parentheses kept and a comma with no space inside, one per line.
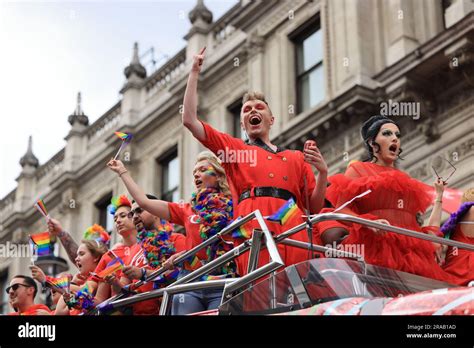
(430,130)
(254,44)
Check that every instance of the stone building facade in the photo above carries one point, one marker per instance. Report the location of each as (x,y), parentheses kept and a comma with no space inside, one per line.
(324,65)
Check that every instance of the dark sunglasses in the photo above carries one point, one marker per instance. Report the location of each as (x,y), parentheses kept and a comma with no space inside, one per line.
(449,176)
(16,286)
(137,211)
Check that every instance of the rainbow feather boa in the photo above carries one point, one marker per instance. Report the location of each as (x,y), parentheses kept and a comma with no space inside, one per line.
(215,212)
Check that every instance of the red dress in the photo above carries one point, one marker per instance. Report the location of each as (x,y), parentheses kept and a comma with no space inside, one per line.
(249,166)
(460,262)
(395,197)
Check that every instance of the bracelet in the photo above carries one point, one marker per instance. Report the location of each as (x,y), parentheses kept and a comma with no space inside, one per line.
(61,234)
(439,201)
(120,174)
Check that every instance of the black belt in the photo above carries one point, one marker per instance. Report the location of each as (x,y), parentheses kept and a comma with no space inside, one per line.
(267,191)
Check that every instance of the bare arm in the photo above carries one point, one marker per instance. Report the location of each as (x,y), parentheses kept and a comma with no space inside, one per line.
(190,119)
(102,294)
(153,206)
(319,192)
(313,156)
(435,217)
(68,243)
(61,307)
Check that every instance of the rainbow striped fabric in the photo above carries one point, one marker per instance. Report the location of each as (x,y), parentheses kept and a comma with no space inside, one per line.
(62,282)
(286,212)
(41,207)
(112,267)
(43,243)
(124,136)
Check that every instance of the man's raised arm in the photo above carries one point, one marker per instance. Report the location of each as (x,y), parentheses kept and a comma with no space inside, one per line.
(190,119)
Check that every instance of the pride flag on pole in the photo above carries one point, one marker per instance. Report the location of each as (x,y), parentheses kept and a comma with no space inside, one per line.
(286,211)
(61,282)
(112,267)
(126,138)
(41,208)
(42,242)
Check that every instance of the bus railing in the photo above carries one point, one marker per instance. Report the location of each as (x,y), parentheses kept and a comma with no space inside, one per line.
(232,285)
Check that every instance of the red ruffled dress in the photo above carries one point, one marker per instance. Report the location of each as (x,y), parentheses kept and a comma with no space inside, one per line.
(460,262)
(395,197)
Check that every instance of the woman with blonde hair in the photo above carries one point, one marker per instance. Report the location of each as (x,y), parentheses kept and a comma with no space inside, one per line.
(208,211)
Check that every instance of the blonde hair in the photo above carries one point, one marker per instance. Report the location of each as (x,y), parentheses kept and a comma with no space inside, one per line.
(96,248)
(468,195)
(216,164)
(254,96)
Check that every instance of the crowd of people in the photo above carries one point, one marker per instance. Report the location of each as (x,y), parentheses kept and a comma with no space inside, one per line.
(227,190)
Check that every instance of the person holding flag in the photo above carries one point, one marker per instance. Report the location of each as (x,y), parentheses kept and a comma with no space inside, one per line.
(89,253)
(272,179)
(209,210)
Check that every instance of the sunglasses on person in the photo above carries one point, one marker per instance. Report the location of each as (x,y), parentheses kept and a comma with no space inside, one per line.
(137,211)
(445,181)
(16,286)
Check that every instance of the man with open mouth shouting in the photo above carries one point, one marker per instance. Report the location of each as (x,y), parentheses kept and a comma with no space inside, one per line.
(278,175)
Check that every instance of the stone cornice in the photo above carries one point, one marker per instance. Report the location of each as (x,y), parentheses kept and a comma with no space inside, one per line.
(427,51)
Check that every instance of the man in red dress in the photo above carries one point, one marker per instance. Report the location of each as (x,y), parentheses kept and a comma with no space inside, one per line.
(21,293)
(261,175)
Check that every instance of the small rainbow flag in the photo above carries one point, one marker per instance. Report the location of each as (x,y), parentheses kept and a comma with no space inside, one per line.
(242,232)
(286,211)
(124,136)
(193,264)
(62,282)
(41,207)
(112,267)
(85,290)
(43,243)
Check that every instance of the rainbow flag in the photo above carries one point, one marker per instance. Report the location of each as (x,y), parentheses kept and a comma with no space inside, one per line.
(42,242)
(286,211)
(112,267)
(41,207)
(62,282)
(85,290)
(124,136)
(242,232)
(193,264)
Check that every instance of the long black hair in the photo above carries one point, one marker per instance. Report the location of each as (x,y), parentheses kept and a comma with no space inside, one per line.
(369,131)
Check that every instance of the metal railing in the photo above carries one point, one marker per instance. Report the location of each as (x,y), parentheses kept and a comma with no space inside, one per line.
(254,244)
